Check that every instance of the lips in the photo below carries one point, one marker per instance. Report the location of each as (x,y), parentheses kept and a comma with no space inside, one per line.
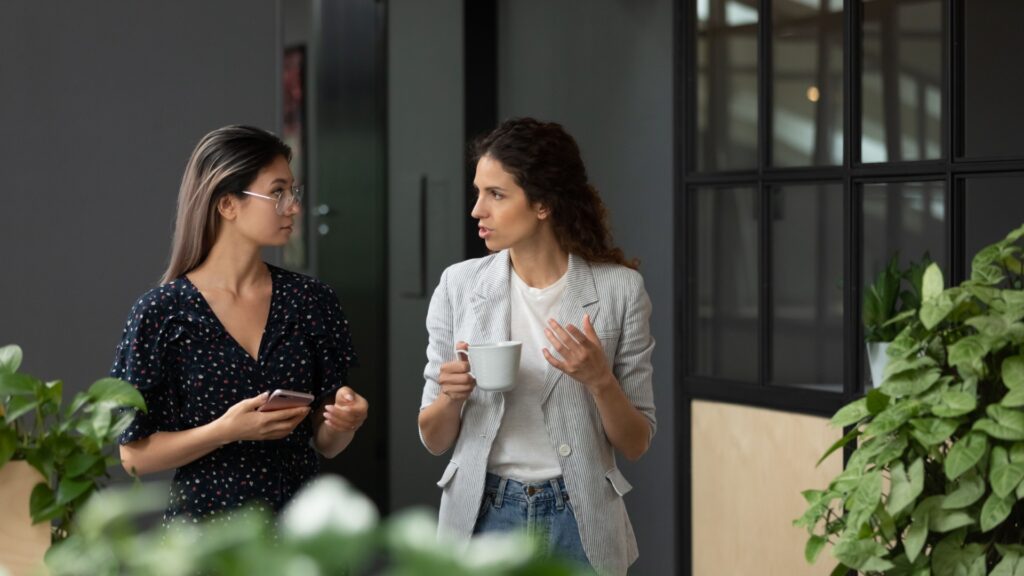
(485,232)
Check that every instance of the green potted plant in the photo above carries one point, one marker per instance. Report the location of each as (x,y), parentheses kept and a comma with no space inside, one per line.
(935,483)
(329,528)
(888,304)
(69,447)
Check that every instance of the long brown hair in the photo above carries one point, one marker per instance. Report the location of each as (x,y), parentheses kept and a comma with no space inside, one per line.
(226,161)
(545,161)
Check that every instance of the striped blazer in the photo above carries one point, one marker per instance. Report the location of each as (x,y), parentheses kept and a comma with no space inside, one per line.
(472,303)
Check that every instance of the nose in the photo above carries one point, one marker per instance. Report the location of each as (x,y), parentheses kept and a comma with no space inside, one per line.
(478,211)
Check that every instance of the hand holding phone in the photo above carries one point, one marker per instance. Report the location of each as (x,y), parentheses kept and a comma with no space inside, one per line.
(280,399)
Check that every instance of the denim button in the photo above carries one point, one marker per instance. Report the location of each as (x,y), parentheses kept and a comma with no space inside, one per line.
(564,450)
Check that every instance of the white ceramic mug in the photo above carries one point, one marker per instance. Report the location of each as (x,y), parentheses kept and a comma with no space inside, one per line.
(494,365)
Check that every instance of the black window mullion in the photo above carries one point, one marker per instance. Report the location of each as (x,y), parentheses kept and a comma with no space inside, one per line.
(764,128)
(852,232)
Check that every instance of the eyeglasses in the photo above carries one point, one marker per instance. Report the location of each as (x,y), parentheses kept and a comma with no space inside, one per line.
(283,199)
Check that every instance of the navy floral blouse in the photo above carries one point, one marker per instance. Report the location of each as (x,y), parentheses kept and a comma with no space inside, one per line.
(190,371)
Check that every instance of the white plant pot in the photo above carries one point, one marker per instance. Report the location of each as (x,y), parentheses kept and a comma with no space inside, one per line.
(878,359)
(22,544)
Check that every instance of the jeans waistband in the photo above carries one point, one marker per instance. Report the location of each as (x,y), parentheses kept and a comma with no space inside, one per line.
(508,489)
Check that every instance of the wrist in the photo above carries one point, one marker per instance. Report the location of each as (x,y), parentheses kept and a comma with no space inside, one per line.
(604,386)
(217,432)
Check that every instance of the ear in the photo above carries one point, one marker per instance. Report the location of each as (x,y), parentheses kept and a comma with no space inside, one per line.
(228,206)
(542,211)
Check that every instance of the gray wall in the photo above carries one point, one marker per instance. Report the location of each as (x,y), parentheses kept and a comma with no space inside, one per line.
(603,68)
(101,105)
(425,139)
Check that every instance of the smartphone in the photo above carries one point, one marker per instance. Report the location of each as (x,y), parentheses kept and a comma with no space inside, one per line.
(281,399)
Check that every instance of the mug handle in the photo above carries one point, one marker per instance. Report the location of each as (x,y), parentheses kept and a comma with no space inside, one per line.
(461,352)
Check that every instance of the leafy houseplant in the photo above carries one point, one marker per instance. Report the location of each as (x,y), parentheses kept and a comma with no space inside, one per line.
(934,486)
(887,308)
(68,445)
(329,528)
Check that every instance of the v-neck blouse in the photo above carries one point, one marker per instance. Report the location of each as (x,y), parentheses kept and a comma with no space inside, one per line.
(190,370)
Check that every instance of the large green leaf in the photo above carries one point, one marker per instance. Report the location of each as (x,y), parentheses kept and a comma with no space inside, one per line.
(910,383)
(1013,372)
(18,406)
(42,505)
(18,385)
(906,486)
(968,351)
(116,391)
(78,463)
(1004,475)
(876,401)
(964,454)
(995,510)
(996,430)
(931,284)
(951,557)
(955,403)
(969,489)
(69,488)
(839,444)
(917,533)
(813,548)
(1009,417)
(932,431)
(893,417)
(942,521)
(1014,398)
(1010,565)
(851,413)
(864,499)
(987,274)
(855,553)
(10,359)
(935,310)
(900,365)
(990,325)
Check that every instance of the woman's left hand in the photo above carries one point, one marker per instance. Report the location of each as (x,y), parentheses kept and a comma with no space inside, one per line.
(582,354)
(348,412)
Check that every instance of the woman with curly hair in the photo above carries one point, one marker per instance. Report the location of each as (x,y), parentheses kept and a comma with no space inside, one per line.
(541,457)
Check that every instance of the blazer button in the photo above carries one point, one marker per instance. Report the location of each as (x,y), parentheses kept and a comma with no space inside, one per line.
(564,450)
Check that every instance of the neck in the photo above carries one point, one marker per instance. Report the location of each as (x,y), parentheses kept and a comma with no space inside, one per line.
(539,263)
(231,266)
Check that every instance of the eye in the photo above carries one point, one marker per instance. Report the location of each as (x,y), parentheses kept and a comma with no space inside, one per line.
(277,193)
(497,195)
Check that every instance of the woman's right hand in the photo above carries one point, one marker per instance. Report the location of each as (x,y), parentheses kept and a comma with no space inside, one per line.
(244,421)
(455,380)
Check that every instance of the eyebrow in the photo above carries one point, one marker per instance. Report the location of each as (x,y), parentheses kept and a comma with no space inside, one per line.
(281,180)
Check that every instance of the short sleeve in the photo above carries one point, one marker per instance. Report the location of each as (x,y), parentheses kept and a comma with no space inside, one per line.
(140,360)
(334,351)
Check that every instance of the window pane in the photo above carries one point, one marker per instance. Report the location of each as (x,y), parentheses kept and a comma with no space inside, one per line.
(908,218)
(725,342)
(726,85)
(901,86)
(994,207)
(807,286)
(807,83)
(993,88)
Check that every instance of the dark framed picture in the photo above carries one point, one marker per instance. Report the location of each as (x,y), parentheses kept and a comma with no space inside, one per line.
(293,131)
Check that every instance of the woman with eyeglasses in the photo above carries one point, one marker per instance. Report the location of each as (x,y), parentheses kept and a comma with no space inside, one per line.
(223,329)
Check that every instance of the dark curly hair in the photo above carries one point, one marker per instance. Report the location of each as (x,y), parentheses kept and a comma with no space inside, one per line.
(545,161)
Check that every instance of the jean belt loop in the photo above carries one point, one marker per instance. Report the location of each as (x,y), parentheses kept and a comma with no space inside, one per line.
(559,503)
(500,496)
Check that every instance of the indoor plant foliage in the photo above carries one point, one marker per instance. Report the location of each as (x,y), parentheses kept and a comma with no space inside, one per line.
(329,528)
(69,445)
(934,485)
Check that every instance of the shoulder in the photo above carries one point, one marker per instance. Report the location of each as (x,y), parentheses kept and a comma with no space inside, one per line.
(470,271)
(159,301)
(616,279)
(301,286)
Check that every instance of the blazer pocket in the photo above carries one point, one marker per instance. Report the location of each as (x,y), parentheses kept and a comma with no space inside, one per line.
(449,473)
(610,342)
(618,481)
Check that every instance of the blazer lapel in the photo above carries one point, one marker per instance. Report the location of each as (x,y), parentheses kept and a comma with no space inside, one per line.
(580,298)
(490,302)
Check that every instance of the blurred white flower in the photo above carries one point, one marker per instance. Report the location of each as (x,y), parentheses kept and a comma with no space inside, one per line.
(498,550)
(328,504)
(416,530)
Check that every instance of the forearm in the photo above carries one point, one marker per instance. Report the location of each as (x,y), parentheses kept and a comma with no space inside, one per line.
(627,428)
(169,450)
(328,441)
(440,424)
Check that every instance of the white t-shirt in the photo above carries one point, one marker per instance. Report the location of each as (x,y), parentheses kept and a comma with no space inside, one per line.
(522,449)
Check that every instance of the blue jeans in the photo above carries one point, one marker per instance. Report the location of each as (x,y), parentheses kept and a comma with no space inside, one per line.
(542,509)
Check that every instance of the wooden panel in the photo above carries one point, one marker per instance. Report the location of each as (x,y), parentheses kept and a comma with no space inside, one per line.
(22,545)
(749,467)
